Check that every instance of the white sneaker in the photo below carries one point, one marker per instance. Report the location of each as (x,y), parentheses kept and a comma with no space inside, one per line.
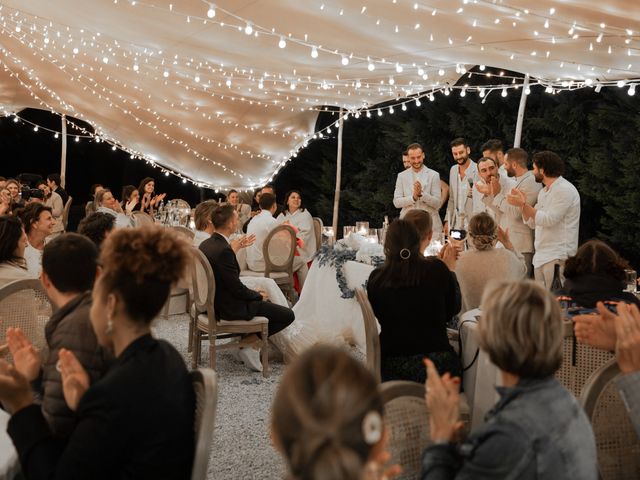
(251,358)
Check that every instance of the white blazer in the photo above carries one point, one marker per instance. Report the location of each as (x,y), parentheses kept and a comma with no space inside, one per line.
(430,200)
(459,201)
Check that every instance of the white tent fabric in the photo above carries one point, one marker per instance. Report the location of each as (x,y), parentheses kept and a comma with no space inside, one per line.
(224,93)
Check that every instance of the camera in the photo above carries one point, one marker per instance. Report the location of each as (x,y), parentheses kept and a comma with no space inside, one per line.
(458,234)
(28,193)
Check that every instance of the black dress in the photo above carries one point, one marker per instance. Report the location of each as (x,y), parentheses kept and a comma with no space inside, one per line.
(413,322)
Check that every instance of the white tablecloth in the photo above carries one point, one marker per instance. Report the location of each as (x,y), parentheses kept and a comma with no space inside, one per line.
(322,311)
(9,466)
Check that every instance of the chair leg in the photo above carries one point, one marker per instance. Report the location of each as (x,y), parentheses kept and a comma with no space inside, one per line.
(190,345)
(212,352)
(264,352)
(195,355)
(165,309)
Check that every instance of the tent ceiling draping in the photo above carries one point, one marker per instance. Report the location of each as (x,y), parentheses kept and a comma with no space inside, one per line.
(215,97)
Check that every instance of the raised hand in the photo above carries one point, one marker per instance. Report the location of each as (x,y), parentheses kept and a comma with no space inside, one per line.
(417,190)
(131,204)
(26,358)
(597,330)
(627,324)
(75,380)
(15,391)
(449,255)
(483,188)
(442,396)
(503,237)
(516,197)
(495,186)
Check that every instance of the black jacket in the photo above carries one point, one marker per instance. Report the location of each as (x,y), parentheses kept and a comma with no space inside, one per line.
(232,298)
(137,422)
(587,290)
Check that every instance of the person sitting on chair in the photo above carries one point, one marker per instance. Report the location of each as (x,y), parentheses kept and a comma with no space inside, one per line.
(69,267)
(97,226)
(38,225)
(13,242)
(55,184)
(260,226)
(106,203)
(233,300)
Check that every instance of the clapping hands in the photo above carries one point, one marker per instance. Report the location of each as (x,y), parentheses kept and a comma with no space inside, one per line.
(75,380)
(417,190)
(26,358)
(442,395)
(517,198)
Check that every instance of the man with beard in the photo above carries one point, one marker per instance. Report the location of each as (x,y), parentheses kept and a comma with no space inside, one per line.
(464,200)
(406,163)
(491,184)
(418,187)
(494,148)
(515,163)
(555,217)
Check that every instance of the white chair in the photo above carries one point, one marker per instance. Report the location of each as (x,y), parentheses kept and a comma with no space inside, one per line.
(317,230)
(372,337)
(65,213)
(141,219)
(205,385)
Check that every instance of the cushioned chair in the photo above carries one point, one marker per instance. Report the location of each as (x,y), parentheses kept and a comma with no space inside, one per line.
(317,230)
(616,440)
(372,337)
(207,327)
(182,289)
(579,361)
(205,385)
(65,213)
(141,218)
(25,305)
(406,418)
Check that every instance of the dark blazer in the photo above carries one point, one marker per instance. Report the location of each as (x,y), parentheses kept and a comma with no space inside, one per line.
(232,298)
(137,422)
(587,290)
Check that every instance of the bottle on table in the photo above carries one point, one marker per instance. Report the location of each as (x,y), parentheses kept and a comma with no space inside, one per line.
(556,283)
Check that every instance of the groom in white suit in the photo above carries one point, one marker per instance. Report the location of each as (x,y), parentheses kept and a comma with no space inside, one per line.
(418,187)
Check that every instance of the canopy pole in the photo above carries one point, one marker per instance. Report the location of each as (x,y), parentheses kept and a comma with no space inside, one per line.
(336,198)
(521,108)
(63,154)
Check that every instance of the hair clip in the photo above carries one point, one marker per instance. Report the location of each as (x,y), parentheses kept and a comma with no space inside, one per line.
(372,427)
(405,253)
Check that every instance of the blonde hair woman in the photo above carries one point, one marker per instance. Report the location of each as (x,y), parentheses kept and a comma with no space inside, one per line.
(537,429)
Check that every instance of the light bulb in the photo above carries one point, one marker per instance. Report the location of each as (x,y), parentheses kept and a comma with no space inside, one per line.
(184,180)
(482,93)
(282,43)
(482,67)
(463,93)
(211,12)
(504,92)
(549,89)
(35,129)
(598,88)
(527,91)
(196,79)
(75,50)
(418,102)
(621,83)
(399,68)
(371,67)
(441,72)
(135,67)
(56,135)
(391,81)
(391,110)
(166,174)
(632,90)
(345,60)
(446,92)
(379,112)
(165,73)
(368,114)
(314,52)
(15,119)
(77,138)
(248,29)
(105,60)
(404,107)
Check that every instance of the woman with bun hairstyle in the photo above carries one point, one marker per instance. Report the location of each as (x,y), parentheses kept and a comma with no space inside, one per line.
(138,420)
(327,418)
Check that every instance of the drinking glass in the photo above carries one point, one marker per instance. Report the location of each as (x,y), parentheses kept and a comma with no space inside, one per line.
(348,230)
(631,278)
(362,228)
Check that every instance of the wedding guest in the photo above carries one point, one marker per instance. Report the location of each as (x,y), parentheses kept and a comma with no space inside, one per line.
(418,187)
(268,188)
(555,217)
(13,242)
(537,429)
(596,273)
(90,207)
(406,163)
(260,226)
(327,418)
(413,297)
(130,198)
(14,190)
(3,182)
(494,149)
(149,200)
(52,200)
(476,268)
(233,300)
(69,266)
(5,202)
(123,417)
(202,219)
(490,185)
(55,184)
(106,203)
(244,210)
(464,200)
(515,163)
(97,227)
(297,215)
(38,225)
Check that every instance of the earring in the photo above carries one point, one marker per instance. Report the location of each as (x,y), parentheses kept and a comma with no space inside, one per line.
(109,329)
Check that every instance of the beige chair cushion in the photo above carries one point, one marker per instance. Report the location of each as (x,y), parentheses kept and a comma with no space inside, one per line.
(274,275)
(203,322)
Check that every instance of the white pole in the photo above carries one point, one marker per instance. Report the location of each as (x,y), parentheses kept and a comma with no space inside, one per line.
(63,154)
(523,104)
(336,198)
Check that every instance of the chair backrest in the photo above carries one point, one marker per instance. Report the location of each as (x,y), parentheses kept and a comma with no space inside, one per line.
(279,249)
(372,338)
(203,287)
(141,218)
(205,385)
(617,442)
(65,212)
(187,232)
(317,230)
(579,361)
(24,304)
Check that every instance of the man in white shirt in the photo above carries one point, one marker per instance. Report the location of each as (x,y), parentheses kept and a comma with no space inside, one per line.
(491,183)
(555,217)
(494,148)
(260,226)
(418,187)
(464,200)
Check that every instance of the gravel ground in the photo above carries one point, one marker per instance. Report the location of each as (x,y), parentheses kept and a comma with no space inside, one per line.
(241,445)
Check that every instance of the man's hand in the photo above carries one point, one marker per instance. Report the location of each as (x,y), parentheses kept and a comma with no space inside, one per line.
(26,358)
(417,190)
(503,238)
(442,396)
(75,380)
(263,293)
(483,188)
(494,186)
(597,330)
(627,324)
(15,391)
(517,198)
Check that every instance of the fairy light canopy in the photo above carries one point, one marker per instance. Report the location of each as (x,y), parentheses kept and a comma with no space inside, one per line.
(224,93)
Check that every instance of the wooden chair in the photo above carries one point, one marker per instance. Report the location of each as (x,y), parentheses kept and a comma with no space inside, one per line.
(186,232)
(617,442)
(182,289)
(317,230)
(205,385)
(207,327)
(141,219)
(579,361)
(65,213)
(24,304)
(406,418)
(372,337)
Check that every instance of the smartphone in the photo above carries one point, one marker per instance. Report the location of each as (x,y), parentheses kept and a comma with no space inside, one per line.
(458,234)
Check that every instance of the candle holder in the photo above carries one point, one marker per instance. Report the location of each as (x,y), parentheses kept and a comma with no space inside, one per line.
(328,236)
(348,230)
(362,228)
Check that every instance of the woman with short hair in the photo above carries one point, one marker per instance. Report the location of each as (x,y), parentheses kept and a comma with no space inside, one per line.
(537,429)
